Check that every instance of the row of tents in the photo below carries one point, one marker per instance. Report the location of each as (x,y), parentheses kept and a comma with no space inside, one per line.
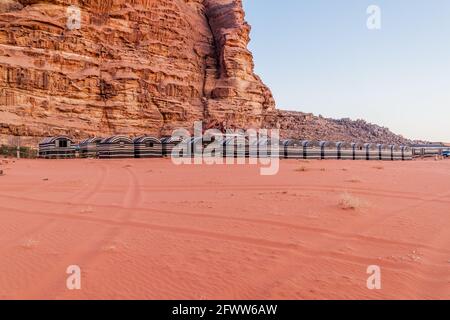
(117,147)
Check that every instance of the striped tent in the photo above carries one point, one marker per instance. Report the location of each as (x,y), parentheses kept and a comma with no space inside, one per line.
(372,151)
(267,150)
(385,152)
(407,153)
(312,150)
(116,147)
(236,145)
(293,149)
(89,148)
(427,151)
(59,147)
(328,150)
(198,146)
(147,147)
(359,151)
(195,146)
(345,151)
(168,143)
(397,152)
(213,144)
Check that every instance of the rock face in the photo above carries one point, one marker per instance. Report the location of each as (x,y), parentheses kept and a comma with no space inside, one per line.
(139,66)
(135,67)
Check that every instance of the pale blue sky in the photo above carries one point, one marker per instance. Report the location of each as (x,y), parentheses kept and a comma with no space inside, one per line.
(318,56)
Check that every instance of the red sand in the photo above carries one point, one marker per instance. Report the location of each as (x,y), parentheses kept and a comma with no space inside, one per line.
(149,229)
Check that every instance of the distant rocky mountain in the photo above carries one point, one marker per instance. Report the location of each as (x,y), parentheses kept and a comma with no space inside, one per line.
(140,67)
(307,126)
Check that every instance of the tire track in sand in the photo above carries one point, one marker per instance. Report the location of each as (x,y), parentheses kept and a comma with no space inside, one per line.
(88,252)
(338,235)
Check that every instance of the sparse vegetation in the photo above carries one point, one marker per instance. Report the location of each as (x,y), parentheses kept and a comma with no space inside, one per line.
(301,169)
(350,202)
(11,151)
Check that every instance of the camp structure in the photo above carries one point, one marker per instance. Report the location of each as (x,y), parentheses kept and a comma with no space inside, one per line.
(427,150)
(328,150)
(89,148)
(385,152)
(236,145)
(345,151)
(168,143)
(267,150)
(293,149)
(57,148)
(372,151)
(213,145)
(397,153)
(312,150)
(147,147)
(407,153)
(116,147)
(359,151)
(264,147)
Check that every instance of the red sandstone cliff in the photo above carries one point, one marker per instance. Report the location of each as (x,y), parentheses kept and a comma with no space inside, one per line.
(140,66)
(134,66)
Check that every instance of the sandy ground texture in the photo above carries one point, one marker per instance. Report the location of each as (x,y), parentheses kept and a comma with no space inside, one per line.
(148,229)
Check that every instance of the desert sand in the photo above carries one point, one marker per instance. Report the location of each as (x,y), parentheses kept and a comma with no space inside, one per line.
(147,229)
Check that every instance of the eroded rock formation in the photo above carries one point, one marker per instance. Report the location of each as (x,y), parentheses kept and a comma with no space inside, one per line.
(133,67)
(139,66)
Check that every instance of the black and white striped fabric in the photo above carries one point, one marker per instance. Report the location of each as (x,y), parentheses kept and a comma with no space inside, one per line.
(168,143)
(328,150)
(312,150)
(147,147)
(407,153)
(236,146)
(89,148)
(116,147)
(293,149)
(60,147)
(345,151)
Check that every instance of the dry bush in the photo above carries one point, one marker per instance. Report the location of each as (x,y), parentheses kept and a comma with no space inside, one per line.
(350,202)
(301,169)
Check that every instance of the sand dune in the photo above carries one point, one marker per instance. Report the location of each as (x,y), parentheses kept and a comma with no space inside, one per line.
(147,229)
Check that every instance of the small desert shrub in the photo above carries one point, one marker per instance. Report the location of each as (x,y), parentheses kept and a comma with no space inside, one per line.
(350,202)
(11,151)
(379,167)
(301,169)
